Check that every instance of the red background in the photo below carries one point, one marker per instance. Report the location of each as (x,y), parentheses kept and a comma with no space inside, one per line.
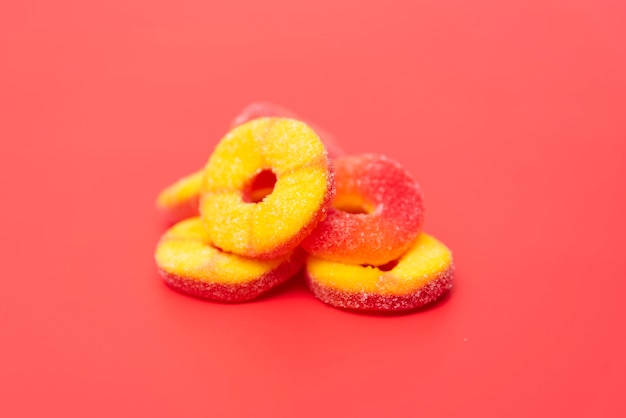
(510,114)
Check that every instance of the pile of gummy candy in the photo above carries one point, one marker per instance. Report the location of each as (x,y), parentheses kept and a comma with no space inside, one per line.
(279,196)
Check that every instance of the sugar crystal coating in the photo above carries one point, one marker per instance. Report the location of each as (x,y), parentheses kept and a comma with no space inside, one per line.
(300,198)
(422,274)
(189,263)
(377,212)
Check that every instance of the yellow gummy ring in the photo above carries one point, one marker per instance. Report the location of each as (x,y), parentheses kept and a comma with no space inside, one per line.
(188,262)
(181,199)
(290,151)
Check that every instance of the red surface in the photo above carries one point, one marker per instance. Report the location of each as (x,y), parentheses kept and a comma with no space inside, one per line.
(510,114)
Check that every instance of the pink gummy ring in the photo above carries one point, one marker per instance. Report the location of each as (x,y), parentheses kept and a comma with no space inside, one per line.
(376,214)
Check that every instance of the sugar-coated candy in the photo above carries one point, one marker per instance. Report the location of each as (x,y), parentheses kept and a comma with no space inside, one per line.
(257,110)
(251,157)
(376,213)
(180,200)
(189,263)
(420,276)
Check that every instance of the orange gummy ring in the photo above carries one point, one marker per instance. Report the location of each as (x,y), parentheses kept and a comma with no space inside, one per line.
(279,156)
(418,277)
(189,263)
(376,213)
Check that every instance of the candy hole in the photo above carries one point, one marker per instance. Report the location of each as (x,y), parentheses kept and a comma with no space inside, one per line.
(388,266)
(260,186)
(352,204)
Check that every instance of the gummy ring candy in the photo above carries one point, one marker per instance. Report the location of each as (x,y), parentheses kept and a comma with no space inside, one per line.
(189,263)
(267,109)
(418,277)
(376,213)
(180,200)
(280,155)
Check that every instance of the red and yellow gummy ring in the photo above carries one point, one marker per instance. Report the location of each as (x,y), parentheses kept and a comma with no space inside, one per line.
(189,263)
(252,156)
(376,214)
(418,277)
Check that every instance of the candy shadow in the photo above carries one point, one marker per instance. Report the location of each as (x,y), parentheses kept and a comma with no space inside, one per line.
(434,305)
(296,285)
